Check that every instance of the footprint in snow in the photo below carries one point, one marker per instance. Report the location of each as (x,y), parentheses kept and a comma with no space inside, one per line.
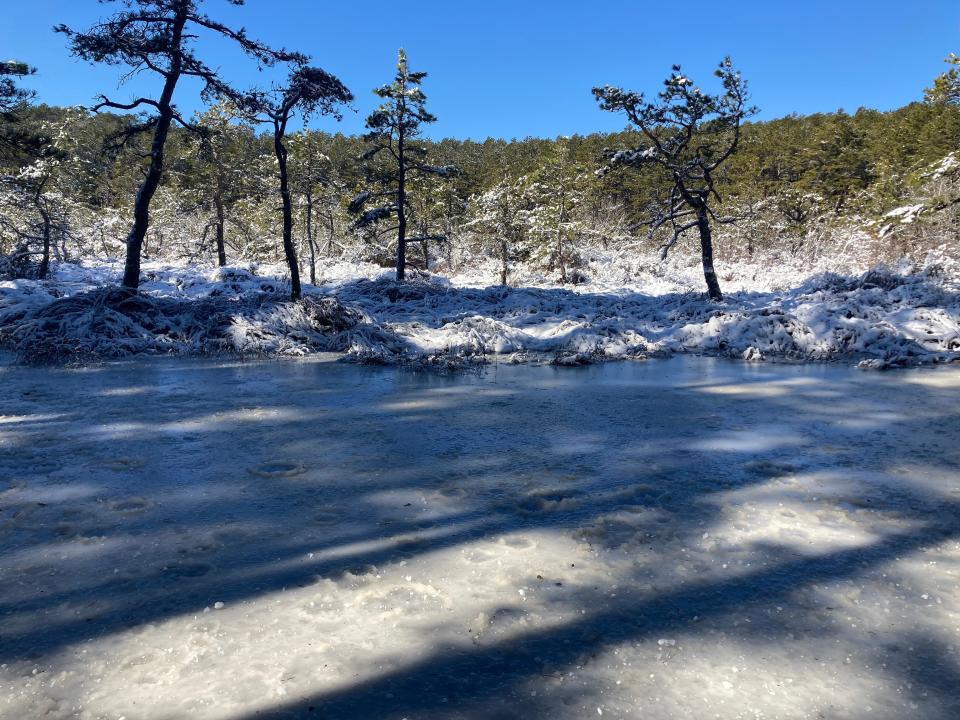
(188,570)
(353,572)
(120,464)
(549,501)
(328,517)
(278,469)
(517,543)
(129,506)
(452,492)
(477,556)
(769,468)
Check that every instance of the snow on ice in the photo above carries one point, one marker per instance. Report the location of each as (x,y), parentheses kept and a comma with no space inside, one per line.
(679,539)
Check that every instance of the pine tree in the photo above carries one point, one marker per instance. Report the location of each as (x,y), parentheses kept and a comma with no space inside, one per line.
(689,134)
(316,181)
(498,217)
(18,140)
(35,209)
(158,36)
(836,161)
(554,196)
(392,129)
(11,95)
(309,90)
(218,175)
(946,86)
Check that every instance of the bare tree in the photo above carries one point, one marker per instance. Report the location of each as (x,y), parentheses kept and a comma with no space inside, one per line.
(689,134)
(158,36)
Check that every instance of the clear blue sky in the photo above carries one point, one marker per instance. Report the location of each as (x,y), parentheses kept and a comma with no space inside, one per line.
(521,68)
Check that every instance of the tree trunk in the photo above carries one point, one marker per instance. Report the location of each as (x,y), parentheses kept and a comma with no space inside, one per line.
(221,215)
(60,251)
(706,254)
(560,221)
(401,209)
(503,261)
(45,259)
(289,250)
(313,254)
(563,267)
(332,232)
(141,207)
(221,247)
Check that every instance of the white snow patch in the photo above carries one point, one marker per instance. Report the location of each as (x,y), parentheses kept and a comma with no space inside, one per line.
(629,309)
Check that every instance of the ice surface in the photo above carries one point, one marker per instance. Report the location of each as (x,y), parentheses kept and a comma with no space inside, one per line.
(683,538)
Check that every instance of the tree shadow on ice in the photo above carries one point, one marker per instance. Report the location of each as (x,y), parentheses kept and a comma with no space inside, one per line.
(487,682)
(237,474)
(926,672)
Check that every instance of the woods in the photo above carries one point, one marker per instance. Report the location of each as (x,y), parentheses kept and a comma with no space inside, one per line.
(156,36)
(202,187)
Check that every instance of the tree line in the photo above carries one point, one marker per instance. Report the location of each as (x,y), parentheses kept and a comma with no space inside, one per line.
(227,183)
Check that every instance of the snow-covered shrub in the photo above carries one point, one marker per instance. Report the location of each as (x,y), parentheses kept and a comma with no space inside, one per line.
(112,323)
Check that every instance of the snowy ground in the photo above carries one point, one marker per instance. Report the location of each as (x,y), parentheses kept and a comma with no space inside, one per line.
(630,309)
(684,538)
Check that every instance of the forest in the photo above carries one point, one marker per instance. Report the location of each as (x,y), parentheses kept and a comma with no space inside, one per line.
(247,184)
(797,187)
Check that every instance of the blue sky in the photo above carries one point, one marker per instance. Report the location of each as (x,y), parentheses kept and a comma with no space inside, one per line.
(516,69)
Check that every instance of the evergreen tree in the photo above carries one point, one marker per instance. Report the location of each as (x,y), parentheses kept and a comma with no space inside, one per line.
(498,217)
(316,182)
(554,197)
(392,129)
(11,95)
(18,140)
(219,174)
(308,91)
(946,86)
(689,134)
(35,209)
(837,164)
(158,36)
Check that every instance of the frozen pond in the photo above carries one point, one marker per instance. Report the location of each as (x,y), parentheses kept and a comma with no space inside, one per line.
(688,538)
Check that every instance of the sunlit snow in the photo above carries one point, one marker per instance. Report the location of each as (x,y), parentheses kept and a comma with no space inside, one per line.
(683,538)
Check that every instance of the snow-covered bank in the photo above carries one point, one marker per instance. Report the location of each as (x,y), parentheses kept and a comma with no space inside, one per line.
(880,318)
(672,540)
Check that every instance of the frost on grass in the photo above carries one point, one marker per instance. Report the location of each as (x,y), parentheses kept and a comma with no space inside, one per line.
(880,318)
(883,317)
(111,323)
